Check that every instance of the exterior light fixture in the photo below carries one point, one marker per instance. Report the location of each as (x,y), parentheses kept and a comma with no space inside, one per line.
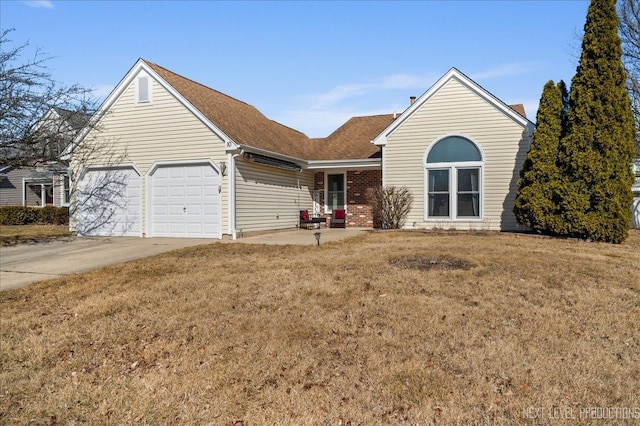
(317,235)
(223,168)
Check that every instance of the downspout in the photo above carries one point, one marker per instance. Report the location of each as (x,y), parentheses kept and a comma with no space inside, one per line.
(232,193)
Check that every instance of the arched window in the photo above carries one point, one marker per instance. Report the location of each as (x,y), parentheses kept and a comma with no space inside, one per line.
(453,170)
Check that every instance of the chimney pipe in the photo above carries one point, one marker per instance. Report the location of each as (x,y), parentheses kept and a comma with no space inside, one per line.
(412,99)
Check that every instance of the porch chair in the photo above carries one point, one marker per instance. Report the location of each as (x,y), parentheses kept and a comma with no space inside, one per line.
(338,219)
(306,220)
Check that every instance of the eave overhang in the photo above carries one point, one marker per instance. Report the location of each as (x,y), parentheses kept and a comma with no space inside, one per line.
(364,163)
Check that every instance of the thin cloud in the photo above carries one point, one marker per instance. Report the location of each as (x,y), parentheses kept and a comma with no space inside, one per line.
(40,4)
(396,81)
(506,70)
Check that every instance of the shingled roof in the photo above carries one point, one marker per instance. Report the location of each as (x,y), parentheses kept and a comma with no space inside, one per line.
(247,126)
(240,121)
(352,140)
(519,108)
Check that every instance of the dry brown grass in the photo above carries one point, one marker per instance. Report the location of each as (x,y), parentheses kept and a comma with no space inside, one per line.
(11,235)
(536,331)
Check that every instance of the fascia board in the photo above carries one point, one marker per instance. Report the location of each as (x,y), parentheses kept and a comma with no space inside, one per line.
(104,106)
(228,142)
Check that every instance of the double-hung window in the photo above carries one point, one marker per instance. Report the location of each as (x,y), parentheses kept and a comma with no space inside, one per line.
(453,173)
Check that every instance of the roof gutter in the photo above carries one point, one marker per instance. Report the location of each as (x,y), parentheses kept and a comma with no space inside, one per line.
(272,154)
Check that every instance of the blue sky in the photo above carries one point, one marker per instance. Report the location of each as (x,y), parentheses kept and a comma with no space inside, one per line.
(310,65)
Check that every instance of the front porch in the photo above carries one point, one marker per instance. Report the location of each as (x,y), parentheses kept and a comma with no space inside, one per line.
(345,189)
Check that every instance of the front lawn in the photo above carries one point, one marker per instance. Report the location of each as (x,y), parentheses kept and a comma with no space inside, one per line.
(387,328)
(11,235)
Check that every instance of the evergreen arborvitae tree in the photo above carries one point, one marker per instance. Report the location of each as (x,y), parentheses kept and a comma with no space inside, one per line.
(536,203)
(596,154)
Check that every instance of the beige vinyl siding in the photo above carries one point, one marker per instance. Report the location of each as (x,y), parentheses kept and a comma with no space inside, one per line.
(269,198)
(457,110)
(159,132)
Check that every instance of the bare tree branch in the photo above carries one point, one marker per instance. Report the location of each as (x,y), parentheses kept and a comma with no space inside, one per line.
(28,92)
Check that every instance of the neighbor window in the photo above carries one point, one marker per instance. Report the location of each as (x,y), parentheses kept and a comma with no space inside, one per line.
(452,172)
(66,191)
(335,192)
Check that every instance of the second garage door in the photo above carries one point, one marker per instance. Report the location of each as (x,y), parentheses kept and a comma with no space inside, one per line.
(185,201)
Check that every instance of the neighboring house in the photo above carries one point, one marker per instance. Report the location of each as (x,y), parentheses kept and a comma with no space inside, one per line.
(46,184)
(33,187)
(635,219)
(194,162)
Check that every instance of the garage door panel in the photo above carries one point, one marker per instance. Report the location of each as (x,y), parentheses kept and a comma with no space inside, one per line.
(195,210)
(192,172)
(194,191)
(109,202)
(176,172)
(195,228)
(176,191)
(185,201)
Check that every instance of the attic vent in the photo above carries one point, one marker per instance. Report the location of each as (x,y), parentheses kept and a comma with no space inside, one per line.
(144,90)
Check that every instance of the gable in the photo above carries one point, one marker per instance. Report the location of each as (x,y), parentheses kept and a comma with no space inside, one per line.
(474,94)
(129,83)
(162,128)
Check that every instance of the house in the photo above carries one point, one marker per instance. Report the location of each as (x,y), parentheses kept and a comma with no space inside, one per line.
(184,160)
(33,186)
(46,183)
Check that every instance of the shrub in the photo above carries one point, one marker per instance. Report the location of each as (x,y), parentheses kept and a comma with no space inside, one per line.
(19,215)
(47,215)
(61,216)
(390,205)
(12,215)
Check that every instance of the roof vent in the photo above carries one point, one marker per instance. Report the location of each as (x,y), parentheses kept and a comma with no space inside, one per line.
(412,99)
(144,90)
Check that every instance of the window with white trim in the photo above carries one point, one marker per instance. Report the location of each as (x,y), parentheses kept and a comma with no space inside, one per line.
(66,190)
(143,89)
(453,172)
(335,194)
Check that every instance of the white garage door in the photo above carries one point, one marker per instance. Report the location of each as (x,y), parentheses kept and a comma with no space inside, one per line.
(185,202)
(635,213)
(109,202)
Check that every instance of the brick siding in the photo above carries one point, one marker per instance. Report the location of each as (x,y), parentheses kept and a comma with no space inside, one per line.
(358,181)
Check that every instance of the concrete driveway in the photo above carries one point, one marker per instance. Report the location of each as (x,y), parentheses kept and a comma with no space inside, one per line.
(27,263)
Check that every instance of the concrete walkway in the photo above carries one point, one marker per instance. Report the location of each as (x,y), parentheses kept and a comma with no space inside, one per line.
(27,263)
(299,237)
